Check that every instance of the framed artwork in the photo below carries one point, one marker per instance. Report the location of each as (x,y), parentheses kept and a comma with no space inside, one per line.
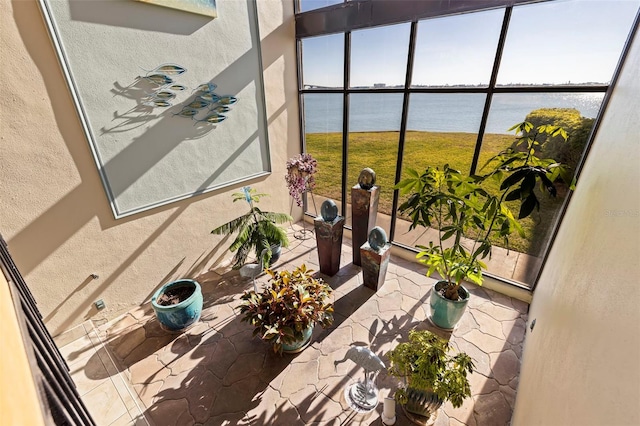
(172,104)
(201,7)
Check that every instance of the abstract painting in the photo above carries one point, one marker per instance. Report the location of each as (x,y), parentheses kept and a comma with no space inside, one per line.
(201,7)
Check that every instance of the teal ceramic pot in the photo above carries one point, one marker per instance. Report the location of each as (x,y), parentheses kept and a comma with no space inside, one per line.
(182,315)
(299,346)
(446,313)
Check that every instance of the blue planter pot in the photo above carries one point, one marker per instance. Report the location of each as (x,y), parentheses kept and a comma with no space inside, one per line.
(179,316)
(446,313)
(276,252)
(300,345)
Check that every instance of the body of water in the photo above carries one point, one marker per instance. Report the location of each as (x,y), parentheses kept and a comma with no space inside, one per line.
(437,112)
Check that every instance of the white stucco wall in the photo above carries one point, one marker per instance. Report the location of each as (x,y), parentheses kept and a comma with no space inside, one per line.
(581,362)
(53,210)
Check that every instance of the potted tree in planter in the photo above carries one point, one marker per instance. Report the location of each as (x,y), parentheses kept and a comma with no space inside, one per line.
(285,312)
(431,375)
(468,215)
(257,230)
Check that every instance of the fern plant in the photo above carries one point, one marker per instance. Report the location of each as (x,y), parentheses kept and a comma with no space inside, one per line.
(257,230)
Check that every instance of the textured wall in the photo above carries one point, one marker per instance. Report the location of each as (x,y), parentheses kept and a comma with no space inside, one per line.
(580,363)
(54,213)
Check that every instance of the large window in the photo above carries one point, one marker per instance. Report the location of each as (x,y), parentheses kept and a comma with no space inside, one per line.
(443,84)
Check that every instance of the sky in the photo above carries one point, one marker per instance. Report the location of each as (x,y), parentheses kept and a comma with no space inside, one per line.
(558,42)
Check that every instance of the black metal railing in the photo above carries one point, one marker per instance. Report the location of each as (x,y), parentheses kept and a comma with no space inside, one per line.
(59,399)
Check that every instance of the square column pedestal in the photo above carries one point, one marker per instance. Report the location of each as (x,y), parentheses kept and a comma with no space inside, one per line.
(374,265)
(329,243)
(364,210)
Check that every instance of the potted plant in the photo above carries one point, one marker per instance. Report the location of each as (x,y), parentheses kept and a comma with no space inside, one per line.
(257,230)
(468,215)
(178,304)
(285,312)
(431,375)
(299,177)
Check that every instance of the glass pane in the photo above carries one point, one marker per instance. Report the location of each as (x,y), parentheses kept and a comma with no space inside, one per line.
(441,129)
(569,42)
(575,112)
(374,124)
(457,50)
(307,5)
(379,56)
(323,133)
(323,61)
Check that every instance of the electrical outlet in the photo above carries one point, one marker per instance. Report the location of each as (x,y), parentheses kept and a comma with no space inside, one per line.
(100,304)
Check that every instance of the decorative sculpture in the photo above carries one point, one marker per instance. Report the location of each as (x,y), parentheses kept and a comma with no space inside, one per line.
(329,210)
(329,230)
(367,178)
(375,255)
(362,396)
(364,210)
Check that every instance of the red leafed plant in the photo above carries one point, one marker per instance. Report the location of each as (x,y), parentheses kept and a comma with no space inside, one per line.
(292,302)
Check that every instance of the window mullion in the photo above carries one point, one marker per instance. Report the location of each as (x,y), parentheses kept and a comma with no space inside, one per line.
(491,88)
(345,118)
(403,123)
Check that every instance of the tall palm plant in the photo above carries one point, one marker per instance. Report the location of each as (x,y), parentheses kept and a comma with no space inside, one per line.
(257,230)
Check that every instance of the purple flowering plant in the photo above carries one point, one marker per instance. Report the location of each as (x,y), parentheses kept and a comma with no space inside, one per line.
(299,178)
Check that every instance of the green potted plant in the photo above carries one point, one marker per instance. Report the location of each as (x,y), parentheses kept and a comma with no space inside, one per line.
(468,215)
(285,312)
(431,375)
(257,230)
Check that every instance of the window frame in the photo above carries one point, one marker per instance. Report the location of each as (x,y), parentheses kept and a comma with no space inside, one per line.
(363,14)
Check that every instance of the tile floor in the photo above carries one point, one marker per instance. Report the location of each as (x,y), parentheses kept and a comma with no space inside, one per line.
(216,373)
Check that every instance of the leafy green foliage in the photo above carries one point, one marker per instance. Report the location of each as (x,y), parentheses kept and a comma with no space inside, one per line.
(257,230)
(425,363)
(567,151)
(463,207)
(292,302)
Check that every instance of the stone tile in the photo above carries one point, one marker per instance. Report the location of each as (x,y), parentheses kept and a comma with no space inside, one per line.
(69,336)
(125,344)
(514,331)
(481,384)
(500,313)
(148,370)
(463,414)
(216,373)
(245,365)
(296,378)
(78,350)
(237,397)
(492,409)
(480,358)
(104,403)
(484,341)
(505,366)
(413,307)
(314,406)
(171,412)
(124,420)
(510,395)
(487,324)
(338,340)
(202,391)
(148,392)
(88,374)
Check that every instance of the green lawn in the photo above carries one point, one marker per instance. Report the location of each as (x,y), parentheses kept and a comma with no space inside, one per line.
(379,151)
